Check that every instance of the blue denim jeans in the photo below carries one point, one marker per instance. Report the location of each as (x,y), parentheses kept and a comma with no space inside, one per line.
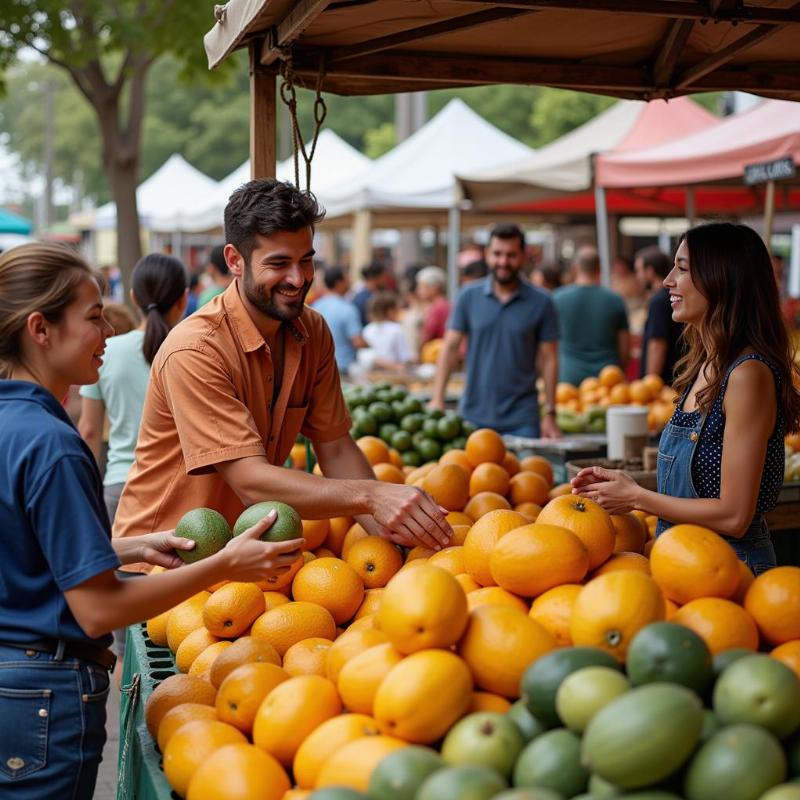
(52,725)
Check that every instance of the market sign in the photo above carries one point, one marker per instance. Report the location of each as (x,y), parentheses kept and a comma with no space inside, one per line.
(769,171)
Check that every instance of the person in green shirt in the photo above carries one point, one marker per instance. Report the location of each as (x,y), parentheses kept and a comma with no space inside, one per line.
(220,276)
(592,321)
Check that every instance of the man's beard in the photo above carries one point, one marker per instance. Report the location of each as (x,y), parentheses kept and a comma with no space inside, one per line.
(260,300)
(509,278)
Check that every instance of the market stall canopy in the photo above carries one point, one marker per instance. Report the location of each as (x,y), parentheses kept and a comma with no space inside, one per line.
(420,171)
(13,223)
(173,193)
(638,49)
(566,164)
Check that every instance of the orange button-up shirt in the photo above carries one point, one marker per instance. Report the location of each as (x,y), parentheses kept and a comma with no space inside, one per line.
(210,400)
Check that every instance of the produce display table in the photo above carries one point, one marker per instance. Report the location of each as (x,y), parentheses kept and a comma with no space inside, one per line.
(784,524)
(144,667)
(559,451)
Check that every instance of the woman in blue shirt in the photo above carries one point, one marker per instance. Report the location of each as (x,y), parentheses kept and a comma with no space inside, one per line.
(721,457)
(59,596)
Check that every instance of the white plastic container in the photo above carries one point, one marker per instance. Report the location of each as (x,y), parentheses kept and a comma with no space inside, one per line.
(626,428)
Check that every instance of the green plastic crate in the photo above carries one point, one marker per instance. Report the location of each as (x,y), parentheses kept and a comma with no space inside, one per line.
(144,667)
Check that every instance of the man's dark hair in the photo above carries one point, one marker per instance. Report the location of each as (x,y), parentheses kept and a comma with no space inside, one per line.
(373,270)
(475,270)
(265,206)
(508,231)
(654,257)
(217,258)
(333,276)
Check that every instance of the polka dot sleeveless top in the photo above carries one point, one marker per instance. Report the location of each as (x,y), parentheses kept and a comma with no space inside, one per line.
(707,459)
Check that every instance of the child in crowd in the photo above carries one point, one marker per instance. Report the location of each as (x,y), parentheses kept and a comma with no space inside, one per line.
(385,335)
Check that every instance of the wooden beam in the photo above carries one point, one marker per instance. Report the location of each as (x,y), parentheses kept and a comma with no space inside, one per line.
(675,9)
(263,114)
(440,28)
(670,52)
(286,32)
(726,54)
(775,84)
(474,70)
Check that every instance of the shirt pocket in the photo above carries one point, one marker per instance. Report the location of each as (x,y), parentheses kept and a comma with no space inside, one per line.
(24,726)
(664,464)
(292,422)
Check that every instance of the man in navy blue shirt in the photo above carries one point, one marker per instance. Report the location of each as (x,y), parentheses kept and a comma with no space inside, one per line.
(511,328)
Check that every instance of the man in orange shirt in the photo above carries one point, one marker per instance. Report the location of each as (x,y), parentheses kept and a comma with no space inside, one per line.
(233,385)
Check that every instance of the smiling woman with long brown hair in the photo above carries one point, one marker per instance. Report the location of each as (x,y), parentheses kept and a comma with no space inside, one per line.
(721,458)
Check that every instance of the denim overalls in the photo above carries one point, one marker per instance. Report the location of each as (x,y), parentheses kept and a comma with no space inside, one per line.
(674,478)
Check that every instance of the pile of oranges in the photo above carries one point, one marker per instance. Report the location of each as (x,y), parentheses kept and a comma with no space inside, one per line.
(364,649)
(610,388)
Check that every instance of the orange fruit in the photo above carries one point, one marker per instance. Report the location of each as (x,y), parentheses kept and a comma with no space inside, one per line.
(553,611)
(635,561)
(192,745)
(511,464)
(654,383)
(467,584)
(191,647)
(354,763)
(375,449)
(332,584)
(720,622)
(457,457)
(338,528)
(494,595)
(612,608)
(458,517)
(286,625)
(630,533)
(157,627)
(178,716)
(364,623)
(774,603)
(201,666)
(242,691)
(588,384)
(486,701)
(323,552)
(529,487)
(534,558)
(232,609)
(482,538)
(421,608)
(348,645)
(448,485)
(370,603)
(307,657)
(485,445)
(375,560)
(538,464)
(484,502)
(355,534)
(172,692)
(315,532)
(360,676)
(789,654)
(459,534)
(619,394)
(389,473)
(273,598)
(419,553)
(498,646)
(689,561)
(239,772)
(185,618)
(291,711)
(420,472)
(672,607)
(587,520)
(610,375)
(450,559)
(326,740)
(245,650)
(488,477)
(396,458)
(565,391)
(560,490)
(423,695)
(529,510)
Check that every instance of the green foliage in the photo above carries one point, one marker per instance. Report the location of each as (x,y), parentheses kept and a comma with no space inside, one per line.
(558,111)
(380,140)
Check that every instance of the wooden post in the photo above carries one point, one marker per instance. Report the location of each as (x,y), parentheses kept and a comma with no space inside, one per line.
(263,116)
(601,215)
(769,213)
(453,246)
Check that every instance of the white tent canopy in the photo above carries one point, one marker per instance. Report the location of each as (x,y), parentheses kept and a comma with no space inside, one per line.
(173,192)
(420,171)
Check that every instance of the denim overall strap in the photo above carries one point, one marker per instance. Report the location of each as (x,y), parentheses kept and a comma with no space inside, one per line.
(674,466)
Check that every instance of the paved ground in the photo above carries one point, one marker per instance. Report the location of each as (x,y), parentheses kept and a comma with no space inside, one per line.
(106,788)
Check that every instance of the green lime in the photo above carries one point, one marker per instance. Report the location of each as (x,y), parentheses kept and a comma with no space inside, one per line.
(553,761)
(429,449)
(435,413)
(387,430)
(431,428)
(401,441)
(459,443)
(725,658)
(207,528)
(399,775)
(381,411)
(468,427)
(411,458)
(412,422)
(448,427)
(412,405)
(399,394)
(529,726)
(367,424)
(384,395)
(398,409)
(287,526)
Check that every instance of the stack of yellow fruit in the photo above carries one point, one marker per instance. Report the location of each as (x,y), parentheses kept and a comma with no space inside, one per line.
(363,650)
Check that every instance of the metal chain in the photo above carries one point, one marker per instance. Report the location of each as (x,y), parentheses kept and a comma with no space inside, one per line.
(289,98)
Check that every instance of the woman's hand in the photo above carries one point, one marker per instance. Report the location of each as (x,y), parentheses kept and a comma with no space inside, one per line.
(248,559)
(152,548)
(612,489)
